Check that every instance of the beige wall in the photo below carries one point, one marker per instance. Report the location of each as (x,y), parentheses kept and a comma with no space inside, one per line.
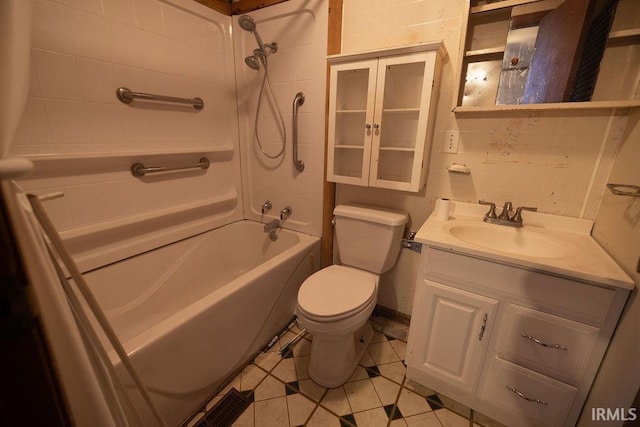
(556,161)
(617,229)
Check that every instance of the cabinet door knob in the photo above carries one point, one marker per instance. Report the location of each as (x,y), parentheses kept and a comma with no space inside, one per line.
(376,126)
(367,126)
(483,327)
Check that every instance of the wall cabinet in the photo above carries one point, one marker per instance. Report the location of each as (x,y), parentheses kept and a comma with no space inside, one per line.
(520,346)
(381,111)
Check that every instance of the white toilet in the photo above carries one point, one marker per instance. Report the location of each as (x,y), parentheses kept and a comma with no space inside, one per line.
(334,304)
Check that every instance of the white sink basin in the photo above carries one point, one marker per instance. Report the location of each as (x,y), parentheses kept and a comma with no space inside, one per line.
(518,241)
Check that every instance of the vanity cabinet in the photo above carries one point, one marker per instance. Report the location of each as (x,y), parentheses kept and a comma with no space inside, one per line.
(381,111)
(519,345)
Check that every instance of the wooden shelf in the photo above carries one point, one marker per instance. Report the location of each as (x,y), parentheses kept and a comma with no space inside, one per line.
(401,110)
(398,149)
(624,36)
(481,54)
(499,5)
(349,147)
(549,106)
(350,111)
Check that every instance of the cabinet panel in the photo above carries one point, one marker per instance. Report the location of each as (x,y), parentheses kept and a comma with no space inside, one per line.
(541,398)
(563,346)
(563,297)
(449,333)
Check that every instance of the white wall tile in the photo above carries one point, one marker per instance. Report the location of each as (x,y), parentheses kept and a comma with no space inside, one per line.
(57,75)
(67,121)
(91,6)
(119,10)
(88,34)
(148,15)
(97,80)
(51,29)
(121,37)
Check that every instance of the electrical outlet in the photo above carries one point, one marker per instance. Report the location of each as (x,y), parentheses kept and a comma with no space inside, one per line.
(451,138)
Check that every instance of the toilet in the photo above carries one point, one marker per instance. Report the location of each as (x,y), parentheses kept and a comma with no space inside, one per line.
(334,304)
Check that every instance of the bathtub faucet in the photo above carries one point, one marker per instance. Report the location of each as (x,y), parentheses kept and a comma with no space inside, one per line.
(271,226)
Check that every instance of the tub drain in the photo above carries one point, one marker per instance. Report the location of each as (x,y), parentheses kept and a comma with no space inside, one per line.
(226,411)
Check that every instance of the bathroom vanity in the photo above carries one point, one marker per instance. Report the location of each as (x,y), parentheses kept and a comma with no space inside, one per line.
(513,321)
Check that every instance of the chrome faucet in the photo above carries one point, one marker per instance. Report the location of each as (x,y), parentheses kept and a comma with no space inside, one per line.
(504,218)
(266,206)
(285,212)
(271,226)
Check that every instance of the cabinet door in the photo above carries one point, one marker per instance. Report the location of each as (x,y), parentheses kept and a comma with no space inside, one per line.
(450,329)
(401,119)
(351,102)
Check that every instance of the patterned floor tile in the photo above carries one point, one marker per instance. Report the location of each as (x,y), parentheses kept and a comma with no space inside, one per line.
(450,419)
(372,418)
(323,418)
(271,413)
(300,409)
(377,394)
(362,395)
(411,403)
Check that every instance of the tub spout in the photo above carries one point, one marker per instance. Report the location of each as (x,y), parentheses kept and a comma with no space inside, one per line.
(271,226)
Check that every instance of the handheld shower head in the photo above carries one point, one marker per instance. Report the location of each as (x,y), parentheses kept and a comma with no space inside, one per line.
(252,62)
(247,23)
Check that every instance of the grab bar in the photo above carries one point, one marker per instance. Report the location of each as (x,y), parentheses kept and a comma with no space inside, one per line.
(125,95)
(297,101)
(138,169)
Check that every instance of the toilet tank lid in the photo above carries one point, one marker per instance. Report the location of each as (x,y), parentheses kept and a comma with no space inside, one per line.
(372,214)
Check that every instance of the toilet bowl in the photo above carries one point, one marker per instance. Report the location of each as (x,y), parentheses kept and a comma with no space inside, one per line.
(335,303)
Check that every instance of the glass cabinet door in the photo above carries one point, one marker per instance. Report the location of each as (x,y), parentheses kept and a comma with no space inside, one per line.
(352,97)
(400,121)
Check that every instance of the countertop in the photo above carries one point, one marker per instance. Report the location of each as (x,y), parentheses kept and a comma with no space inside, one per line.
(585,259)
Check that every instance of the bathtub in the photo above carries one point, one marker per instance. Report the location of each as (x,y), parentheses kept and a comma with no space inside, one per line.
(191,313)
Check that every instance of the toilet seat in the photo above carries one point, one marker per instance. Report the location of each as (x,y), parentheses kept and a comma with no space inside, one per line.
(337,292)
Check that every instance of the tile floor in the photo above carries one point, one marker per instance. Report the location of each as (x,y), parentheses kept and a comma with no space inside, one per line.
(377,394)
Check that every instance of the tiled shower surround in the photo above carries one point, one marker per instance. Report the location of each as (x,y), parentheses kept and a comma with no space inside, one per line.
(377,394)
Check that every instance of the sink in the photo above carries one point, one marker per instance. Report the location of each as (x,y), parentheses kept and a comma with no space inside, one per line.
(518,241)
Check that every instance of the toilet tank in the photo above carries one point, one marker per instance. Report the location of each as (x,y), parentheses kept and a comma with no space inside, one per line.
(369,237)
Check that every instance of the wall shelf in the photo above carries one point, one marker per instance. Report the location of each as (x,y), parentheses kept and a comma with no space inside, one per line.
(548,107)
(483,70)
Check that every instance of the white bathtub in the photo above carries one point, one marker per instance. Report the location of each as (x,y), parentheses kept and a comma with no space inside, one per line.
(190,313)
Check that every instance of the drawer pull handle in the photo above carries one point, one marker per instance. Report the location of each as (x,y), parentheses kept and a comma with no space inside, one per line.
(528,399)
(483,327)
(537,341)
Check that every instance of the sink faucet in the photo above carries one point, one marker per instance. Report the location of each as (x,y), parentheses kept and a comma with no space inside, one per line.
(504,218)
(271,226)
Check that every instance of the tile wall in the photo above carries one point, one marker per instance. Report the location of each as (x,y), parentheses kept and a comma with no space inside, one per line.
(300,30)
(83,140)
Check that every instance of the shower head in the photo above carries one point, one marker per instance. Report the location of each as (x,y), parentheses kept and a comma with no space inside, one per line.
(252,62)
(247,23)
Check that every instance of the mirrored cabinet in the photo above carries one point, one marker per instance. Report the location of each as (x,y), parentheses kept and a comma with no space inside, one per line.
(546,54)
(381,110)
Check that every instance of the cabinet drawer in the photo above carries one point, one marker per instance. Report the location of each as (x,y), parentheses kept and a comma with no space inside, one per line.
(562,349)
(567,298)
(503,381)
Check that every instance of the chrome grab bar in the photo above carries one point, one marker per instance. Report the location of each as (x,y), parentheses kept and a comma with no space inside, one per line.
(297,101)
(126,96)
(138,169)
(624,189)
